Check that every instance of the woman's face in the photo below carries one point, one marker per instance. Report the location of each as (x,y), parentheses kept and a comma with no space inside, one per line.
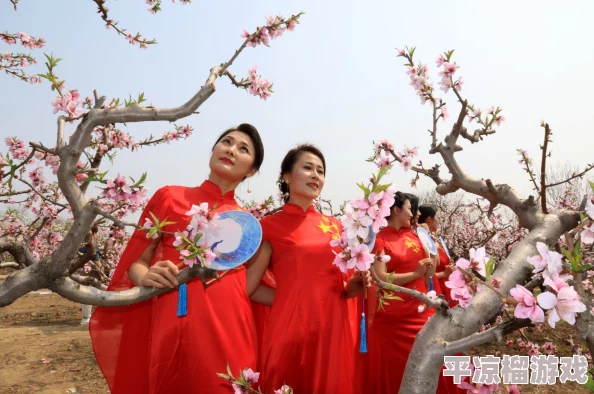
(233,157)
(433,223)
(306,179)
(404,215)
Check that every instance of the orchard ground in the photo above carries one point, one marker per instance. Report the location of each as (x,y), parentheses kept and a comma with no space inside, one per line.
(44,349)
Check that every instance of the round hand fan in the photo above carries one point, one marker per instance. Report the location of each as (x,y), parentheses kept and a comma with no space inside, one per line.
(235,239)
(445,247)
(427,241)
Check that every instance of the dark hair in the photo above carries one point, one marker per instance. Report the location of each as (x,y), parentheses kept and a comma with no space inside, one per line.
(251,132)
(414,203)
(399,200)
(289,162)
(427,211)
(95,229)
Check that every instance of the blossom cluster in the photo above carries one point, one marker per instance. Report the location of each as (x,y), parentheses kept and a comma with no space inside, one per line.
(363,217)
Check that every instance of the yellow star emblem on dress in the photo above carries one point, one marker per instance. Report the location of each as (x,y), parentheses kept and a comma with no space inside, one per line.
(327,226)
(411,245)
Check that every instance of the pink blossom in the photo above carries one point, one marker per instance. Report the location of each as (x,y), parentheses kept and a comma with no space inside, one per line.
(357,224)
(284,390)
(587,235)
(444,113)
(341,262)
(406,163)
(360,258)
(440,60)
(250,376)
(527,307)
(564,303)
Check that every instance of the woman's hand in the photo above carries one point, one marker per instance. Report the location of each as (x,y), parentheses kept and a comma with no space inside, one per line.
(422,267)
(358,282)
(449,269)
(162,274)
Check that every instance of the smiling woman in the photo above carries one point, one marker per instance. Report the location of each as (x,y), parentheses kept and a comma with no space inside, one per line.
(145,348)
(307,342)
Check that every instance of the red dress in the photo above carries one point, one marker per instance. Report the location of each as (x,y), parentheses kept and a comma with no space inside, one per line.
(261,313)
(145,348)
(393,330)
(308,342)
(443,261)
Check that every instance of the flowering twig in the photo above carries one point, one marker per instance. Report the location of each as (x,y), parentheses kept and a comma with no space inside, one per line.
(438,303)
(137,39)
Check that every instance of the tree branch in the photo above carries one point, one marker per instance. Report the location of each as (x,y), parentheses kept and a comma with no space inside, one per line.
(543,169)
(41,195)
(588,168)
(73,291)
(480,338)
(21,254)
(438,303)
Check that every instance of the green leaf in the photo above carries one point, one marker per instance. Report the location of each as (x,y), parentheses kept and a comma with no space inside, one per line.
(90,179)
(489,267)
(381,188)
(591,185)
(197,238)
(365,189)
(153,231)
(141,180)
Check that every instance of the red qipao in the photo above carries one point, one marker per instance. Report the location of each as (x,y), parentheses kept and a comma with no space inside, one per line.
(308,342)
(443,261)
(393,330)
(261,313)
(146,348)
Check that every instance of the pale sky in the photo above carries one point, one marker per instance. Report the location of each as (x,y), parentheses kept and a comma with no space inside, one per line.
(338,81)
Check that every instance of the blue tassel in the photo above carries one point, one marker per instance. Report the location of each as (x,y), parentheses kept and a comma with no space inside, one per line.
(182,300)
(430,283)
(363,346)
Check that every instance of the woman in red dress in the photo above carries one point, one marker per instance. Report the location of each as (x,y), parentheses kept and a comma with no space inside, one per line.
(145,348)
(393,330)
(308,343)
(428,217)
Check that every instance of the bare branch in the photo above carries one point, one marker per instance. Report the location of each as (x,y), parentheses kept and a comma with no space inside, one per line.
(42,148)
(21,254)
(60,138)
(73,291)
(588,168)
(86,280)
(480,338)
(543,169)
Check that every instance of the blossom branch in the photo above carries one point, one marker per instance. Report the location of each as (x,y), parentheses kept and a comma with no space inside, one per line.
(233,80)
(142,42)
(438,303)
(44,198)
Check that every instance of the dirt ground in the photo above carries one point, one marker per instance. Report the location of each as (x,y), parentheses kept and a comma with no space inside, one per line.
(43,349)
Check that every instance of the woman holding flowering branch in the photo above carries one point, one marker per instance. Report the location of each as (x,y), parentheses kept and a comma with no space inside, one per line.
(308,343)
(146,348)
(394,328)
